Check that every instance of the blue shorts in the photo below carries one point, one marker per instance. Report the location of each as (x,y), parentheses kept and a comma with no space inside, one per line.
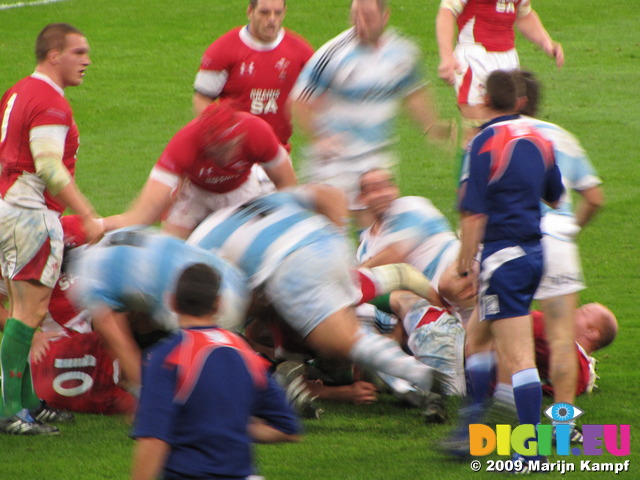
(509,278)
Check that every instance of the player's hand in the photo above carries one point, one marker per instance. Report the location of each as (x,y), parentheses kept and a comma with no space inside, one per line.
(554,50)
(448,69)
(40,345)
(363,393)
(94,228)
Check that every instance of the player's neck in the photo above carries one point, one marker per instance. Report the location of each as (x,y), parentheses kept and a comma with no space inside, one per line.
(189,321)
(586,344)
(51,74)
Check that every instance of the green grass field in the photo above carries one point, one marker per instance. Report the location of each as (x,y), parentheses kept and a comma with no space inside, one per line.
(138,93)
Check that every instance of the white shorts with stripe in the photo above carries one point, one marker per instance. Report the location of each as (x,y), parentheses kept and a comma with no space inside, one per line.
(562,273)
(31,244)
(476,64)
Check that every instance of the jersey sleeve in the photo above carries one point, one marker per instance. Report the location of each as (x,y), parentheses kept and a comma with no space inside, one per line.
(52,113)
(456,6)
(524,8)
(215,65)
(156,407)
(574,163)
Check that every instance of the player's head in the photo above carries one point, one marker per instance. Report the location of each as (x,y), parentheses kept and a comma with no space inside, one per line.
(377,190)
(265,18)
(531,93)
(64,51)
(370,18)
(220,141)
(197,291)
(501,92)
(596,326)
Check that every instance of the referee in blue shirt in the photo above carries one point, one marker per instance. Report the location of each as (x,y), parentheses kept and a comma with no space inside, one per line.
(509,168)
(206,396)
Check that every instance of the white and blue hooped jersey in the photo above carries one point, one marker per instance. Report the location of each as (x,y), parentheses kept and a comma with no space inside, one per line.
(258,235)
(363,87)
(135,269)
(416,224)
(577,174)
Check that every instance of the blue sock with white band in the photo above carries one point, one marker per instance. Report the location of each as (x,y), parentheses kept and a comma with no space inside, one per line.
(527,391)
(479,368)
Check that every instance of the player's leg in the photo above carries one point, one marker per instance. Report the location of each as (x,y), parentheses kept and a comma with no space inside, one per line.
(340,335)
(31,253)
(514,343)
(558,297)
(314,290)
(559,314)
(480,360)
(29,303)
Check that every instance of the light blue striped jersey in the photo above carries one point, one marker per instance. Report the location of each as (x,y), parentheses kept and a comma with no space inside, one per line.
(256,236)
(577,174)
(363,86)
(137,269)
(417,226)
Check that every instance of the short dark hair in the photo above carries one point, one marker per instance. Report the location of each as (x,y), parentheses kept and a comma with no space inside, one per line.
(197,290)
(502,91)
(254,3)
(53,37)
(533,93)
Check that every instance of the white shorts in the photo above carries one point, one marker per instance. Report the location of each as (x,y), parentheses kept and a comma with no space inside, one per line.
(31,244)
(193,204)
(313,283)
(562,272)
(476,65)
(439,344)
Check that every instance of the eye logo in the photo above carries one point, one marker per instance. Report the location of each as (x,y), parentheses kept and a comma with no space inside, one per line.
(563,412)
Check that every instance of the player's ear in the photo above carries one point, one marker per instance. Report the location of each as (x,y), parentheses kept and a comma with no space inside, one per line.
(594,335)
(53,56)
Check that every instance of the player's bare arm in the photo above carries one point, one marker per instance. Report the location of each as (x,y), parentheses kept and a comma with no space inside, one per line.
(531,27)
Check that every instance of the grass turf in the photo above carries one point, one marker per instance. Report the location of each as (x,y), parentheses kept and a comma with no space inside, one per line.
(138,93)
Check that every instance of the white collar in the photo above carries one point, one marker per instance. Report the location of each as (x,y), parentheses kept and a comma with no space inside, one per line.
(251,42)
(46,78)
